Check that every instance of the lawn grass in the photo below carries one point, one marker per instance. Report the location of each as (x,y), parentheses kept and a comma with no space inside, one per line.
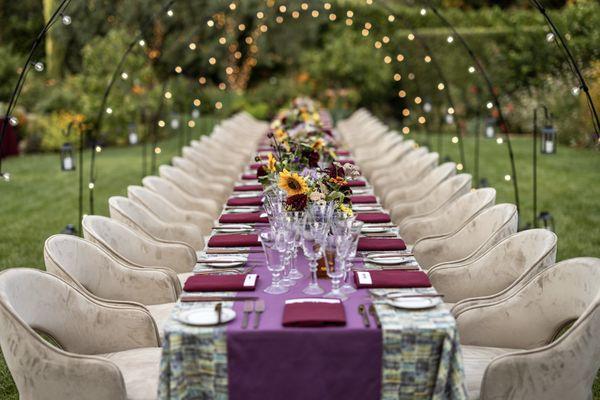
(40,199)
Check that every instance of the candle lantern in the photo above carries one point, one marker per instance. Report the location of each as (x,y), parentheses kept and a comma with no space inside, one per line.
(548,139)
(195,113)
(490,127)
(449,119)
(546,220)
(132,135)
(69,230)
(427,107)
(174,123)
(67,161)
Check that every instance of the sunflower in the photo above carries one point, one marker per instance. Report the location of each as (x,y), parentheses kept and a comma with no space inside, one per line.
(271,162)
(292,183)
(280,135)
(318,144)
(346,210)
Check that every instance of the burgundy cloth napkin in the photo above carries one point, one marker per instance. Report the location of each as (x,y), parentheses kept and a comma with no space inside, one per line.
(256,165)
(357,183)
(243,218)
(343,152)
(391,279)
(248,188)
(366,199)
(220,283)
(313,312)
(248,177)
(378,244)
(234,240)
(245,201)
(373,218)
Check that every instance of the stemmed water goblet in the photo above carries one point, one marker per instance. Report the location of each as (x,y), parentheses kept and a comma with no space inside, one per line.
(268,239)
(352,237)
(296,224)
(311,245)
(335,266)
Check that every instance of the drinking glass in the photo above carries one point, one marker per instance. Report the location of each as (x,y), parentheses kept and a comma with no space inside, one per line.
(352,239)
(312,250)
(283,243)
(267,239)
(341,223)
(296,221)
(335,268)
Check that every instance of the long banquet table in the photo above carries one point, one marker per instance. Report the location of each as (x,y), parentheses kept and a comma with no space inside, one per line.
(415,355)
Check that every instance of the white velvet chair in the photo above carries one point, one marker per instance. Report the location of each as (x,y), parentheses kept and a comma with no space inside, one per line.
(194,186)
(145,222)
(470,240)
(198,172)
(406,172)
(102,351)
(503,267)
(171,192)
(510,349)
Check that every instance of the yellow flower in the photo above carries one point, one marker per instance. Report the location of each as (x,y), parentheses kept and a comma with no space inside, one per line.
(346,210)
(292,183)
(316,117)
(271,161)
(318,144)
(280,135)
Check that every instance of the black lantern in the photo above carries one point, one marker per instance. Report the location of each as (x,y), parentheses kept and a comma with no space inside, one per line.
(132,136)
(490,127)
(546,220)
(69,230)
(483,183)
(548,139)
(67,161)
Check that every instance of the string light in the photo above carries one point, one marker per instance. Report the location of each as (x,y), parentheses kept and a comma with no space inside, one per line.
(378,44)
(365,32)
(459,167)
(399,58)
(304,6)
(423,11)
(332,17)
(471,69)
(170,13)
(13,121)
(368,25)
(349,13)
(282,8)
(418,100)
(66,20)
(411,36)
(109,110)
(455,139)
(550,37)
(406,130)
(197,102)
(422,120)
(168,95)
(279,20)
(575,91)
(241,27)
(427,59)
(489,105)
(507,178)
(450,110)
(295,14)
(391,18)
(260,15)
(222,40)
(387,59)
(178,69)
(210,23)
(385,39)
(142,42)
(450,39)
(157,150)
(441,86)
(411,76)
(212,61)
(91,185)
(161,123)
(499,140)
(38,66)
(232,6)
(192,46)
(349,22)
(202,80)
(191,124)
(397,77)
(315,13)
(98,149)
(218,105)
(124,76)
(402,94)
(406,112)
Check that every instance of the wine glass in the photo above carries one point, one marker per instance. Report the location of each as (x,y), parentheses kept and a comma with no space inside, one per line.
(283,242)
(341,223)
(296,223)
(335,267)
(268,239)
(312,250)
(352,239)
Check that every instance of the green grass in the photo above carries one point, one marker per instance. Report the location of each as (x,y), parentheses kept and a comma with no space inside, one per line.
(40,199)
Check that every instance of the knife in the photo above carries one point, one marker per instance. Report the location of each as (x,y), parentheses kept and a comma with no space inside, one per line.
(365,317)
(373,312)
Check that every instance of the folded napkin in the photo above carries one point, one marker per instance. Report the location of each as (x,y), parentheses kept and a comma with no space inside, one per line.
(342,152)
(245,201)
(220,283)
(234,240)
(248,177)
(256,165)
(391,279)
(366,199)
(248,188)
(243,218)
(373,218)
(375,244)
(313,312)
(357,183)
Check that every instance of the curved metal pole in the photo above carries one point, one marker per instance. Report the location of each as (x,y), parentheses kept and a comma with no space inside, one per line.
(582,82)
(495,99)
(21,81)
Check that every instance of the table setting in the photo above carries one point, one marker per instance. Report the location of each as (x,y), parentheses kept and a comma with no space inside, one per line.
(307,290)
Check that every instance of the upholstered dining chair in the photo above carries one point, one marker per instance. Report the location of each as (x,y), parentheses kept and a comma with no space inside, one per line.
(169,212)
(101,351)
(382,174)
(418,190)
(448,218)
(145,222)
(446,192)
(137,250)
(194,186)
(396,153)
(207,163)
(513,349)
(179,198)
(199,172)
(90,268)
(503,267)
(406,172)
(469,241)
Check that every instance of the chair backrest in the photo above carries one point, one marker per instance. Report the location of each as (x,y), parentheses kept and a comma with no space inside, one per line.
(135,249)
(502,268)
(186,165)
(89,267)
(172,193)
(449,218)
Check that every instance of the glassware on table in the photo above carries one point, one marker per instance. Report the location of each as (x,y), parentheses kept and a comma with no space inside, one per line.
(296,224)
(352,238)
(335,268)
(311,246)
(267,239)
(341,222)
(283,244)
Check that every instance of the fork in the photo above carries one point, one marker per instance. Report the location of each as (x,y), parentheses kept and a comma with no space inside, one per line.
(248,309)
(259,308)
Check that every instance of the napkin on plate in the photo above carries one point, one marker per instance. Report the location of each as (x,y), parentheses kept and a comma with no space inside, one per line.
(234,240)
(245,201)
(248,188)
(256,165)
(248,177)
(342,152)
(375,244)
(374,218)
(391,279)
(313,312)
(220,283)
(357,183)
(363,199)
(243,218)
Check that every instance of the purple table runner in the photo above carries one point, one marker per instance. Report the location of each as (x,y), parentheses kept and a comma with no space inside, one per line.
(275,362)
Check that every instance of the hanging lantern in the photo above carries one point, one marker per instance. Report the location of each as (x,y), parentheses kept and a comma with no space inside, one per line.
(132,136)
(449,119)
(195,113)
(427,107)
(490,127)
(546,220)
(67,162)
(548,139)
(69,230)
(483,183)
(174,123)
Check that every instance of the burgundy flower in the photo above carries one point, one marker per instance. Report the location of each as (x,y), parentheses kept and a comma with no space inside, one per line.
(297,202)
(261,171)
(334,171)
(346,190)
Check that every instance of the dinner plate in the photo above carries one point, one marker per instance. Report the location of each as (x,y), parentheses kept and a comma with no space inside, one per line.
(234,230)
(391,260)
(205,316)
(366,208)
(243,195)
(224,261)
(375,229)
(241,210)
(414,303)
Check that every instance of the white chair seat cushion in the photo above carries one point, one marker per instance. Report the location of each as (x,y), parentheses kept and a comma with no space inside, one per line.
(476,359)
(140,369)
(161,314)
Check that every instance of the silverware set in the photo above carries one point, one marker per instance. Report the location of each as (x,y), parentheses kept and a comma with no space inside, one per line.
(220,271)
(364,311)
(253,306)
(210,299)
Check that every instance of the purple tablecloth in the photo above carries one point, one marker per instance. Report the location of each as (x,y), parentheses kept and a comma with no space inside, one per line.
(276,363)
